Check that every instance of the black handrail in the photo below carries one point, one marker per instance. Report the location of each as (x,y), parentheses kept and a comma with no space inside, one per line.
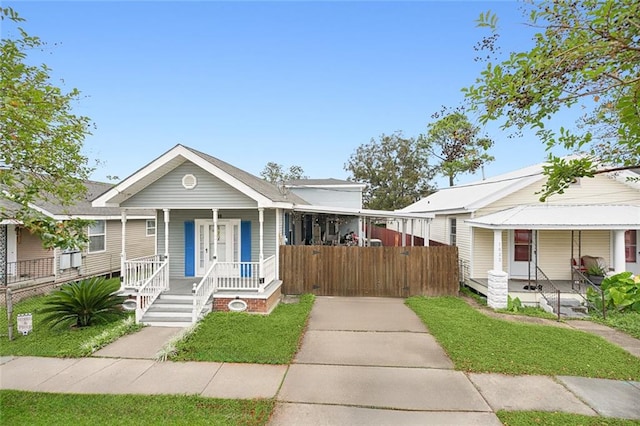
(548,294)
(577,287)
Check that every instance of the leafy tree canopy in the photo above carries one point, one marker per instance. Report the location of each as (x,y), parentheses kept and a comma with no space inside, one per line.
(394,169)
(40,142)
(276,173)
(586,55)
(454,141)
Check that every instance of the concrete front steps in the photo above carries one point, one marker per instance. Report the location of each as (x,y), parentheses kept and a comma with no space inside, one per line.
(170,310)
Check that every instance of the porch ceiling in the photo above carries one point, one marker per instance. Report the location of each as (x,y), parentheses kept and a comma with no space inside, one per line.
(544,216)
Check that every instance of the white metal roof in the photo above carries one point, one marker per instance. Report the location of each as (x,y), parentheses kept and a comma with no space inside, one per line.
(473,196)
(546,216)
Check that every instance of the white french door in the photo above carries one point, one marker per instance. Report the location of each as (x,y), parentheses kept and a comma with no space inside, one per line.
(228,243)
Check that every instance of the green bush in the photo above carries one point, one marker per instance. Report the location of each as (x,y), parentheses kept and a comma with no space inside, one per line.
(83,303)
(621,293)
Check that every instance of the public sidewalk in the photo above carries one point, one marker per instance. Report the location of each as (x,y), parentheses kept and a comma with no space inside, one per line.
(362,361)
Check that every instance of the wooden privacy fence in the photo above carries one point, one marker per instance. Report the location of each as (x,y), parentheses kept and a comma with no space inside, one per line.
(369,271)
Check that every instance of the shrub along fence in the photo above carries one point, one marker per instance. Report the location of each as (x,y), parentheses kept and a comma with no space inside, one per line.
(369,271)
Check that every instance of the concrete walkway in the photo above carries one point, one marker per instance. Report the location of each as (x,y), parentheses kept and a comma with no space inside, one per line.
(362,361)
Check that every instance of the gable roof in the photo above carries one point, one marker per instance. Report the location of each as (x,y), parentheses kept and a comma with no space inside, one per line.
(264,193)
(82,208)
(475,195)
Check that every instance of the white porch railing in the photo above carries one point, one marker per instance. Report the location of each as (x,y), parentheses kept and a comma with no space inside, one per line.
(238,275)
(139,270)
(230,276)
(203,290)
(269,270)
(151,289)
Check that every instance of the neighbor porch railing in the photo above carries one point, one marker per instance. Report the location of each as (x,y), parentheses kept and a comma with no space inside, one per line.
(548,291)
(139,270)
(581,283)
(25,270)
(151,289)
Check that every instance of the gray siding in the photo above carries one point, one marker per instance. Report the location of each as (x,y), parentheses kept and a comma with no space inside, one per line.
(210,192)
(332,197)
(177,218)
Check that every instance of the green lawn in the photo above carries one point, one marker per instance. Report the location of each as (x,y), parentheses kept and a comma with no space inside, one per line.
(250,338)
(537,418)
(44,341)
(478,343)
(34,408)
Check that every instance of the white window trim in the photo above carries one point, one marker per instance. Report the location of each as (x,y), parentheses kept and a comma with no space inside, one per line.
(89,235)
(146,225)
(453,235)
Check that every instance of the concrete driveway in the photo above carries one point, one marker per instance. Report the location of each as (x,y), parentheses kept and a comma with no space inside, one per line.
(372,361)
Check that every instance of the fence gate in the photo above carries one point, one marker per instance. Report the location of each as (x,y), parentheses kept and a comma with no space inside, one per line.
(369,271)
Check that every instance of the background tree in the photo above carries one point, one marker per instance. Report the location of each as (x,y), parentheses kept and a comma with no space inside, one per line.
(40,142)
(276,174)
(586,55)
(394,169)
(454,141)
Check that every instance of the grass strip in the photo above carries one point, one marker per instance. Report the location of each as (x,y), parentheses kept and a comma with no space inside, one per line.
(44,341)
(478,343)
(35,408)
(537,418)
(628,322)
(248,338)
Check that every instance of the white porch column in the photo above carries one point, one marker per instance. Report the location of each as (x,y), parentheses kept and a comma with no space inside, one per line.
(619,262)
(360,236)
(123,245)
(166,233)
(426,231)
(261,222)
(413,236)
(279,240)
(404,232)
(498,289)
(215,234)
(497,249)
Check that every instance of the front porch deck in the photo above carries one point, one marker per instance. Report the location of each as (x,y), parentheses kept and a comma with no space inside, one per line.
(528,296)
(184,287)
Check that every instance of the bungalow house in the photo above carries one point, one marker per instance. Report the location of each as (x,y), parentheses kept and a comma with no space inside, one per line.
(218,234)
(504,233)
(28,268)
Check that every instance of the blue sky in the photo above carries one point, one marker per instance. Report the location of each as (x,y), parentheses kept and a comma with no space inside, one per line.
(301,83)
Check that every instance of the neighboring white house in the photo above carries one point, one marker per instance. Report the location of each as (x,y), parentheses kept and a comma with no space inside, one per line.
(500,225)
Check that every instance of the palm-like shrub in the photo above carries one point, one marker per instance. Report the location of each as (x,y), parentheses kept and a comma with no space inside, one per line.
(83,303)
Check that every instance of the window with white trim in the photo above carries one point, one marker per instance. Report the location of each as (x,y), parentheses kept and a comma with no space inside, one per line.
(97,236)
(453,230)
(151,227)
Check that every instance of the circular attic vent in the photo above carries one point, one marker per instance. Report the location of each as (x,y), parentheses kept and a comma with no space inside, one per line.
(189,181)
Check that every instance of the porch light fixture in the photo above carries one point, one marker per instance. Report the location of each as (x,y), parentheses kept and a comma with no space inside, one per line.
(189,181)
